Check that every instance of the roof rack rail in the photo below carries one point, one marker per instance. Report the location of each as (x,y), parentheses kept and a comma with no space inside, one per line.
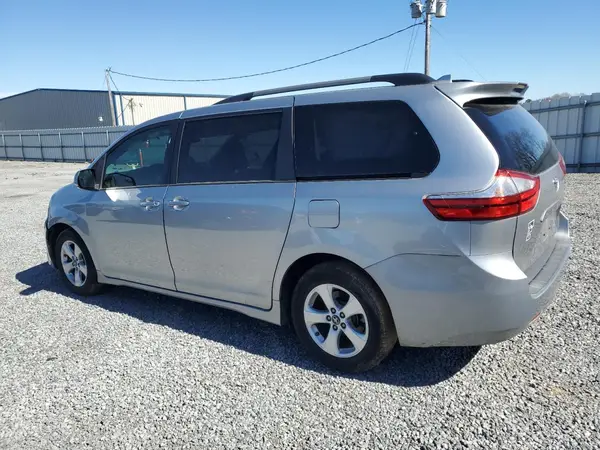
(397,79)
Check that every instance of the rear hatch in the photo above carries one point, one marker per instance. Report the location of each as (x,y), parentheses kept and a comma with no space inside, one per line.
(523,145)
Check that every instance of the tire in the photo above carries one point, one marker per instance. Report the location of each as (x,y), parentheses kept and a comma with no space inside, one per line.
(372,328)
(85,285)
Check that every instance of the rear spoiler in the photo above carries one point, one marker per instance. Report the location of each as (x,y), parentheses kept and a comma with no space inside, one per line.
(463,92)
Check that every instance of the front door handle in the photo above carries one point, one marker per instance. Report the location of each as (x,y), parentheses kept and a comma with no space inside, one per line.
(179,203)
(149,204)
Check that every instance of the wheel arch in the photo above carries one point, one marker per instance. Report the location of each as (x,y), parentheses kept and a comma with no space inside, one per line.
(298,268)
(52,235)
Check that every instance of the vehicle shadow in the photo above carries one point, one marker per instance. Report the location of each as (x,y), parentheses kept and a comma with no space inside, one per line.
(408,367)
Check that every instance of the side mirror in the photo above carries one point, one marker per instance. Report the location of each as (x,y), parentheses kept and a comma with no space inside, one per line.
(86,179)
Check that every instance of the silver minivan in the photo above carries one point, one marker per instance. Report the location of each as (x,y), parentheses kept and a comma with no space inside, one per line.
(426,213)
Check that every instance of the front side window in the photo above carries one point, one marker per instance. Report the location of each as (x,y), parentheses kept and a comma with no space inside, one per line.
(140,160)
(228,149)
(362,140)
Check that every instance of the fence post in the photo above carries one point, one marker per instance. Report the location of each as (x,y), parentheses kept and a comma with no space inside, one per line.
(41,147)
(84,149)
(4,146)
(22,149)
(62,153)
(581,133)
(107,138)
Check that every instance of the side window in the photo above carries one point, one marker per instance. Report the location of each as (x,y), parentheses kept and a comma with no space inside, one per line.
(139,160)
(366,139)
(240,148)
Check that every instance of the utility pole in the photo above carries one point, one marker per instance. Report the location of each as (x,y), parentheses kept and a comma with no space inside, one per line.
(432,7)
(427,40)
(110,98)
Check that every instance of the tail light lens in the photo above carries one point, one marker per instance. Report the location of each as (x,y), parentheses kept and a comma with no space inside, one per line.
(561,162)
(510,194)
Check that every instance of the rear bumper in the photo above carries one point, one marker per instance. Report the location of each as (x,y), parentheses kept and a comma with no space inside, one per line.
(463,301)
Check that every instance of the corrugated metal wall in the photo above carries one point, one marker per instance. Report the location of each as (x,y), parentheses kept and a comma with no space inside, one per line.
(61,142)
(199,102)
(54,109)
(135,109)
(70,145)
(574,124)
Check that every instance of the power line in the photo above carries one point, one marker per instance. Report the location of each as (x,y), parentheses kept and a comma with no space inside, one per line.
(121,95)
(458,53)
(411,47)
(412,50)
(123,109)
(111,98)
(103,81)
(268,72)
(129,100)
(412,34)
(113,81)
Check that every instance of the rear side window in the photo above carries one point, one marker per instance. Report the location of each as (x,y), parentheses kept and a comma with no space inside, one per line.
(362,140)
(521,142)
(228,149)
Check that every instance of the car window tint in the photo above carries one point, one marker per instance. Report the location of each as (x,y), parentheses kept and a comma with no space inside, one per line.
(139,160)
(521,141)
(240,148)
(365,139)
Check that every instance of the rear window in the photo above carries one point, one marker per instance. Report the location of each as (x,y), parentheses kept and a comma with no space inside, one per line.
(362,140)
(521,142)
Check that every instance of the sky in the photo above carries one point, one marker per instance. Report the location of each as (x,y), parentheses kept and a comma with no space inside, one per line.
(552,45)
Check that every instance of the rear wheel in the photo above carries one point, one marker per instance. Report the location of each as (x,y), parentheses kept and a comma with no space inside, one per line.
(75,264)
(342,318)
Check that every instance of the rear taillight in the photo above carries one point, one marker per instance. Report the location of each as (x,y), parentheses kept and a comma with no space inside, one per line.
(561,162)
(510,194)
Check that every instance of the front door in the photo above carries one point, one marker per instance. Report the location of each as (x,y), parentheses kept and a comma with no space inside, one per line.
(227,216)
(125,216)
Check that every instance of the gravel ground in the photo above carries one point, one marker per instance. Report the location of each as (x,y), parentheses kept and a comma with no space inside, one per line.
(129,369)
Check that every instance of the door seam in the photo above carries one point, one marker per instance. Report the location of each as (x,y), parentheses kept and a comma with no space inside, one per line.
(166,240)
(287,232)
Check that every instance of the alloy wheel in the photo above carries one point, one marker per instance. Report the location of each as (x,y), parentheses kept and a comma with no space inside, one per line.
(73,263)
(336,321)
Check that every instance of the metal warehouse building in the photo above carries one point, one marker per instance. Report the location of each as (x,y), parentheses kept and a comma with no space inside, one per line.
(67,108)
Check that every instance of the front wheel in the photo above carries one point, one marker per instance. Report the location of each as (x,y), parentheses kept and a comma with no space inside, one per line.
(75,264)
(342,318)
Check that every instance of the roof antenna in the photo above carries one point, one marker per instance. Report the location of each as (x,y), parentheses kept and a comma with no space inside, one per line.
(447,77)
